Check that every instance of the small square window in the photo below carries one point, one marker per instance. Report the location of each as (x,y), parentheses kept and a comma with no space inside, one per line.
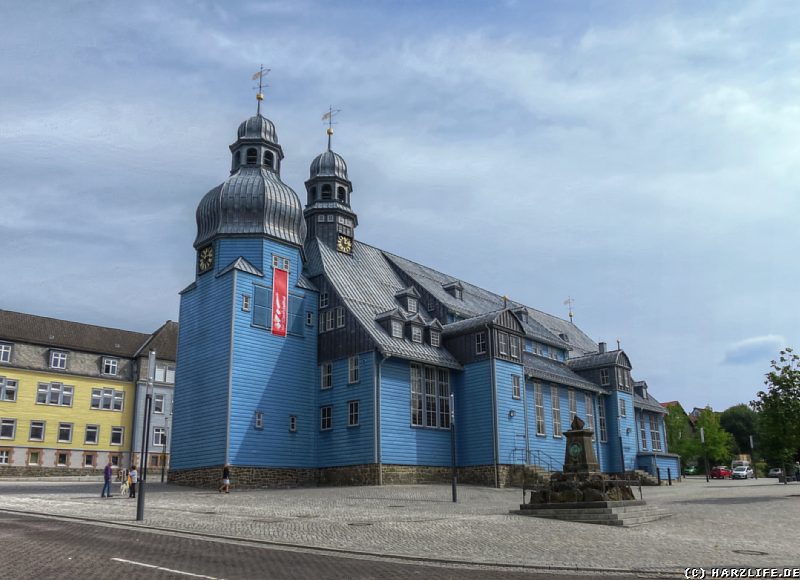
(62,459)
(117,434)
(159,437)
(416,333)
(280,263)
(88,459)
(64,432)
(8,389)
(7,428)
(33,457)
(58,360)
(259,420)
(246,302)
(110,366)
(331,218)
(397,329)
(37,431)
(5,456)
(5,353)
(158,403)
(292,423)
(321,218)
(92,434)
(412,305)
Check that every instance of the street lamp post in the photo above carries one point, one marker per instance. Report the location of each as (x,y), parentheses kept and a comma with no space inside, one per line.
(705,450)
(148,402)
(164,449)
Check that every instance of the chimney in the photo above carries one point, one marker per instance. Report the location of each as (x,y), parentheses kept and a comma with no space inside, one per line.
(602,347)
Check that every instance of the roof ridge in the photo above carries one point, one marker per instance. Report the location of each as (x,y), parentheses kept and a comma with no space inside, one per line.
(74,322)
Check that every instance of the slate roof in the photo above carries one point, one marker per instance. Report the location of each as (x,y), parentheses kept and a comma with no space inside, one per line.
(367,284)
(648,403)
(596,359)
(54,333)
(554,371)
(470,324)
(477,301)
(164,341)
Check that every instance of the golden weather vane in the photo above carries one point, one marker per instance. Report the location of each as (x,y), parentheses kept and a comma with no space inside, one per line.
(329,118)
(259,76)
(569,302)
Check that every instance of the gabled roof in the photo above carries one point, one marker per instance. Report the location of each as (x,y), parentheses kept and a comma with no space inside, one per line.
(164,341)
(54,333)
(649,403)
(242,265)
(477,301)
(410,291)
(477,323)
(367,284)
(554,371)
(600,359)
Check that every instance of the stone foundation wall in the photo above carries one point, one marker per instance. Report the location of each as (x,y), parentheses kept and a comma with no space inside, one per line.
(36,471)
(477,475)
(410,474)
(245,477)
(349,475)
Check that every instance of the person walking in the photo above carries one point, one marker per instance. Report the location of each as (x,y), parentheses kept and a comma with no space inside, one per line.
(106,480)
(226,480)
(133,476)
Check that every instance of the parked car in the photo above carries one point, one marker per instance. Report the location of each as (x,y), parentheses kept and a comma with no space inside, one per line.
(720,472)
(775,472)
(743,472)
(690,470)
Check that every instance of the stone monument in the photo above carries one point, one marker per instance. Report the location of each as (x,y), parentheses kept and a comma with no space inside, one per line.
(579,456)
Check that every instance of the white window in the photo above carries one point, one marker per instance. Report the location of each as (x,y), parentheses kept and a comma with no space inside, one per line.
(107,399)
(326,375)
(458,293)
(309,318)
(292,423)
(246,302)
(352,413)
(515,387)
(8,389)
(515,347)
(159,437)
(62,458)
(435,338)
(33,457)
(330,218)
(588,403)
(325,418)
(54,394)
(339,317)
(416,333)
(280,263)
(643,432)
(92,434)
(110,366)
(397,329)
(539,396)
(601,417)
(7,428)
(117,435)
(623,380)
(323,300)
(623,411)
(4,456)
(321,218)
(165,373)
(259,420)
(158,403)
(444,398)
(430,397)
(555,404)
(573,405)
(655,433)
(352,376)
(416,394)
(36,431)
(412,305)
(502,342)
(88,459)
(64,432)
(58,359)
(480,343)
(329,320)
(5,353)
(430,407)
(604,377)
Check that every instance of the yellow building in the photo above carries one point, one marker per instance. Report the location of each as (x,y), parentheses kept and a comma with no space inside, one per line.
(67,395)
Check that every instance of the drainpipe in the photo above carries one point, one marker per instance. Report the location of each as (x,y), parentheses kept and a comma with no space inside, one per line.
(377,363)
(495,438)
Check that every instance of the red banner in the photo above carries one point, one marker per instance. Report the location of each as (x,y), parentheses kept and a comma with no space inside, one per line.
(280,310)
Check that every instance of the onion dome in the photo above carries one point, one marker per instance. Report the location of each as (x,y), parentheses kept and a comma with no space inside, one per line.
(328,164)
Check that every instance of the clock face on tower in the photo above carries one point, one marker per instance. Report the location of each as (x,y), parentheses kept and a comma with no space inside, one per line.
(205,259)
(344,244)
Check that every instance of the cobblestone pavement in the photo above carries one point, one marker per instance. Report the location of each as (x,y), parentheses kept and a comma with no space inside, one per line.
(721,523)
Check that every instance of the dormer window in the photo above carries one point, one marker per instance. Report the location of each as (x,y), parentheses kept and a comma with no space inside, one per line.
(416,333)
(397,329)
(269,159)
(341,194)
(323,300)
(436,338)
(604,379)
(326,191)
(412,305)
(458,293)
(252,156)
(58,359)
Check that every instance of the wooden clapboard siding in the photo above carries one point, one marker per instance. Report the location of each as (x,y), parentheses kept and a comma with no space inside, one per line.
(474,415)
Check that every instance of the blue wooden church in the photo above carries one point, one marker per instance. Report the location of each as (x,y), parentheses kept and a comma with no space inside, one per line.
(306,356)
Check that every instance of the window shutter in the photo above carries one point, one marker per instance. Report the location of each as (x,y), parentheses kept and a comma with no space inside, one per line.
(262,307)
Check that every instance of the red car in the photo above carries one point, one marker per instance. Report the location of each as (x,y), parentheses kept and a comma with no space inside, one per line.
(721,472)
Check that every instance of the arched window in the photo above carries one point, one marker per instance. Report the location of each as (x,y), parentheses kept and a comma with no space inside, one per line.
(269,159)
(341,194)
(326,191)
(252,156)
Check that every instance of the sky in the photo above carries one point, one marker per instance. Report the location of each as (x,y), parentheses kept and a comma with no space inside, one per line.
(641,158)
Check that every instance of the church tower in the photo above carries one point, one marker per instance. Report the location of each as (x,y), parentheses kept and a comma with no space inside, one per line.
(247,334)
(328,214)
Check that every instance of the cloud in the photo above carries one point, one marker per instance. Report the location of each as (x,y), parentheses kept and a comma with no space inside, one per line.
(752,350)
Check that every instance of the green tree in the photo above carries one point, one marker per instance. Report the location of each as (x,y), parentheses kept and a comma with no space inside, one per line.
(741,422)
(779,409)
(719,444)
(680,435)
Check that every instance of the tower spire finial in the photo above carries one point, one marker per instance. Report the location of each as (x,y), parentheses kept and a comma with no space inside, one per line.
(329,118)
(262,72)
(569,302)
